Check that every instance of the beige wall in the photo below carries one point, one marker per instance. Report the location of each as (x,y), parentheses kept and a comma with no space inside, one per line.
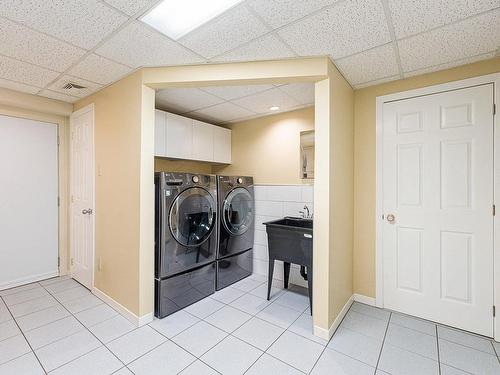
(364,172)
(17,104)
(187,166)
(334,182)
(118,116)
(268,148)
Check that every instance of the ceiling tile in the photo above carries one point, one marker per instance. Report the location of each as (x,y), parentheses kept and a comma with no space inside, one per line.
(83,23)
(344,29)
(453,64)
(414,16)
(36,48)
(90,87)
(452,42)
(6,84)
(131,7)
(99,69)
(58,96)
(303,93)
(230,30)
(138,45)
(369,65)
(269,47)
(182,100)
(223,112)
(235,92)
(377,82)
(277,13)
(19,71)
(261,102)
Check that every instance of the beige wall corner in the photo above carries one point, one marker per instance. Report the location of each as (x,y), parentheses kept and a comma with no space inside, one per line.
(323,195)
(147,213)
(333,200)
(118,150)
(364,171)
(268,148)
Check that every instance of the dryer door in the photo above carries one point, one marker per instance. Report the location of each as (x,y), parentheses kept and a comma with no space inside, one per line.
(192,217)
(237,211)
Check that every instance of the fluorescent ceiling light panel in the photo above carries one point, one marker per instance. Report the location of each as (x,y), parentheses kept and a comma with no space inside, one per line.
(176,18)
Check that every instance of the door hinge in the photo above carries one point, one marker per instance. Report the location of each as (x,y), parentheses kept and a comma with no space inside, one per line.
(383,217)
(494,109)
(494,311)
(58,201)
(494,210)
(72,261)
(58,262)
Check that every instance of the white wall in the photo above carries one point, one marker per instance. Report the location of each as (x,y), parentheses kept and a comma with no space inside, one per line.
(274,202)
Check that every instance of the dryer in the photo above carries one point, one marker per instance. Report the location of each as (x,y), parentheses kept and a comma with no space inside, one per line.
(236,229)
(185,239)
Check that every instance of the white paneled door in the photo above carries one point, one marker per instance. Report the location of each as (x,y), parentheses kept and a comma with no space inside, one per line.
(438,207)
(82,196)
(29,245)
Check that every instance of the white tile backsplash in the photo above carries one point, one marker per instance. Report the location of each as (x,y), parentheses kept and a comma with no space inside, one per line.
(273,202)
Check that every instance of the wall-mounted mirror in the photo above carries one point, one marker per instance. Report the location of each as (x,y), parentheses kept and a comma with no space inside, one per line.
(307,154)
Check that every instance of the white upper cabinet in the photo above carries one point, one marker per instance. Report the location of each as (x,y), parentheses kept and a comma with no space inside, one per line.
(160,132)
(222,145)
(179,137)
(203,141)
(183,138)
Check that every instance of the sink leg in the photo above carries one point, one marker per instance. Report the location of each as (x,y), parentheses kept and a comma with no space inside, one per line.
(310,287)
(286,269)
(270,278)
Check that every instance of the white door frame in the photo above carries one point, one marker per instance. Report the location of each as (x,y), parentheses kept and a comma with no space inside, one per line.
(79,112)
(379,211)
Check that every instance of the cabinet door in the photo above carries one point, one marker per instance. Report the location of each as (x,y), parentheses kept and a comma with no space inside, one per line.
(203,141)
(179,137)
(222,145)
(160,133)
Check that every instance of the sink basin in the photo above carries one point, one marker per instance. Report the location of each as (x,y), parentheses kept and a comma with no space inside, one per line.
(292,222)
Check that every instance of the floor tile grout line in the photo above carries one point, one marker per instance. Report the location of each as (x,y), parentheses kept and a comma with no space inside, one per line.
(88,331)
(468,347)
(437,347)
(25,338)
(383,342)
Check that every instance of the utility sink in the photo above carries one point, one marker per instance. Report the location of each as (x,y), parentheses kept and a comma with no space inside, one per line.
(292,223)
(290,240)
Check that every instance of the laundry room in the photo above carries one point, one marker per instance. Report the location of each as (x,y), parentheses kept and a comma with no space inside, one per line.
(227,160)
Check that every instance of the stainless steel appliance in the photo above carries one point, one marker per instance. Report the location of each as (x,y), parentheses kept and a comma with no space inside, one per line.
(185,239)
(236,229)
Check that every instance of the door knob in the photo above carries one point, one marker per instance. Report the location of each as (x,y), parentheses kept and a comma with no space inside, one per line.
(87,211)
(391,218)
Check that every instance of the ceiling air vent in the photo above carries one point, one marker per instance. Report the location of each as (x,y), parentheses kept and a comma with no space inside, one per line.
(71,85)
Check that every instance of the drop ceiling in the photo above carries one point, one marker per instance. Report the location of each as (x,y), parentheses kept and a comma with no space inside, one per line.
(93,43)
(229,104)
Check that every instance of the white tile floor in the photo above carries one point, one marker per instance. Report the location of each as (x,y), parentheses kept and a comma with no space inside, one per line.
(58,327)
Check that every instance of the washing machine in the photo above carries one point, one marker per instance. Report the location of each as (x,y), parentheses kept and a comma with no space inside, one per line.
(185,239)
(236,229)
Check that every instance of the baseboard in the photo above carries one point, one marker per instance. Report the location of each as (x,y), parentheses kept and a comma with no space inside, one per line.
(28,280)
(326,334)
(126,313)
(364,299)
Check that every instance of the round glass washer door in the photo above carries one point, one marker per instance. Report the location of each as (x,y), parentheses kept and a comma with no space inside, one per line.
(192,216)
(237,211)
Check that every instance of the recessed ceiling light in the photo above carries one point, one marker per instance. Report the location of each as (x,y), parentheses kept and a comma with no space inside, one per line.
(274,108)
(176,18)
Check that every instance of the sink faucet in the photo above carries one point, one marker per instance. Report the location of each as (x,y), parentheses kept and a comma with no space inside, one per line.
(304,215)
